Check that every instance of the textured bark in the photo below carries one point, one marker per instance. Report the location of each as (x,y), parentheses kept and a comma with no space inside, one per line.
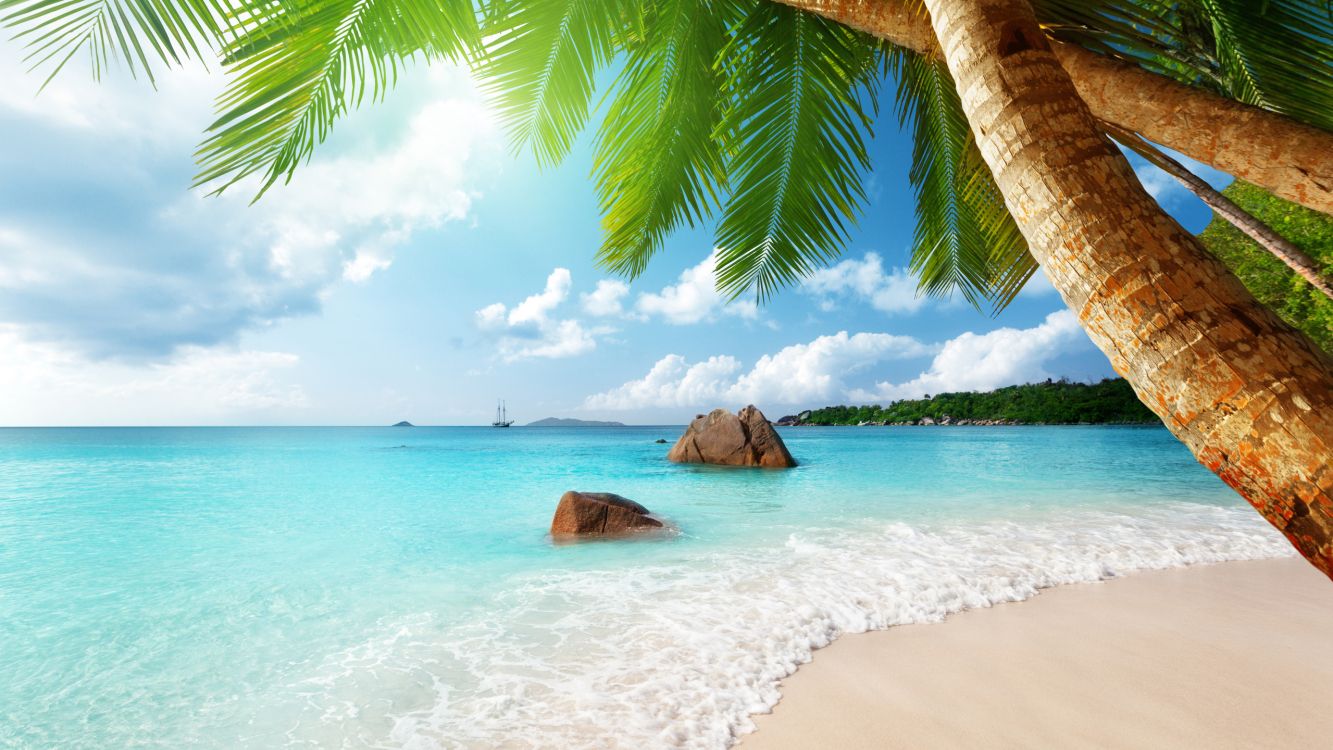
(1285,157)
(1276,245)
(1249,395)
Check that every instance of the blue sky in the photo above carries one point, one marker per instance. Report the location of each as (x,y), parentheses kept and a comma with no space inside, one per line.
(417,269)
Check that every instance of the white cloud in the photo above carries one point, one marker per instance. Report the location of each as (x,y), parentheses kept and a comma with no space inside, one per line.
(154,266)
(492,317)
(818,372)
(672,381)
(893,292)
(48,384)
(74,101)
(605,300)
(982,362)
(796,374)
(357,208)
(534,309)
(694,298)
(528,330)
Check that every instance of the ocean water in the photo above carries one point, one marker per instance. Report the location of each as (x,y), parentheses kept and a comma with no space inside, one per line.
(395,587)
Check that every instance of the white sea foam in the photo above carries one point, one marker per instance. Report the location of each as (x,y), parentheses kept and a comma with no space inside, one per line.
(682,655)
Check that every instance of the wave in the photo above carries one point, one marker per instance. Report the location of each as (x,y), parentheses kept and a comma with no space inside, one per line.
(682,655)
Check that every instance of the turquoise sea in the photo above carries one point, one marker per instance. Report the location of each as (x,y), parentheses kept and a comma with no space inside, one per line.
(395,587)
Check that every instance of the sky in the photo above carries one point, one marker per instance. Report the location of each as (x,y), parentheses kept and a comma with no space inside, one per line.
(419,269)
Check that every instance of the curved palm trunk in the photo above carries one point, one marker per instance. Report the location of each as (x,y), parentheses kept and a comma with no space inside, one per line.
(1249,395)
(1275,244)
(1288,158)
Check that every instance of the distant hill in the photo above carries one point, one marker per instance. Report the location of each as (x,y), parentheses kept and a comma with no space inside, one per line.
(404,423)
(1111,401)
(558,422)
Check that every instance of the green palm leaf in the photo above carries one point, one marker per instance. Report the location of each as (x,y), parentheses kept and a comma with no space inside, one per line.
(141,33)
(656,161)
(301,66)
(543,58)
(965,240)
(1276,54)
(795,137)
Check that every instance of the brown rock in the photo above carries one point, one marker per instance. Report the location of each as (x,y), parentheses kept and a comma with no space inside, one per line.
(742,439)
(588,513)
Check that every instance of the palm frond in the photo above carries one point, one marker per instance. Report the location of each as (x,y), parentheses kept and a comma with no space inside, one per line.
(794,135)
(656,161)
(1276,54)
(541,65)
(965,241)
(139,33)
(300,67)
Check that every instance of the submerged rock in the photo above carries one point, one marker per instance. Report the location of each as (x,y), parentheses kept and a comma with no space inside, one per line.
(742,439)
(599,513)
(660,441)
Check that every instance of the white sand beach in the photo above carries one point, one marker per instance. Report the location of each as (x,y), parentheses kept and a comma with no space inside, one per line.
(1233,655)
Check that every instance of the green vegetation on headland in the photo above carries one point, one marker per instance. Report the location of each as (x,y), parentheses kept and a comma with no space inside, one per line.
(1054,402)
(1268,278)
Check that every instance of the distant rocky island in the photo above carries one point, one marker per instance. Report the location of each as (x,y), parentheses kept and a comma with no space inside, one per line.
(403,423)
(559,422)
(1111,401)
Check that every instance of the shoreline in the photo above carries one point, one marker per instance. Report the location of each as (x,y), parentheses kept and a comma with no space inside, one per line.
(1210,656)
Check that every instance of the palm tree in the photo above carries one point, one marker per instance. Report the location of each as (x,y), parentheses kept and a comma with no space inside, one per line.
(1207,78)
(1226,209)
(756,114)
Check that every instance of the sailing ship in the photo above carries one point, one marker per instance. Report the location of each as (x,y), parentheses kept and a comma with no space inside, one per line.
(501,416)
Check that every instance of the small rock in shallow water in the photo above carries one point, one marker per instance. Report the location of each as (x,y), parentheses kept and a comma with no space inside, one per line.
(599,513)
(660,441)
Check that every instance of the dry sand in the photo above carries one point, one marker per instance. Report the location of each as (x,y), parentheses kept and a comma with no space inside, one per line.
(1236,655)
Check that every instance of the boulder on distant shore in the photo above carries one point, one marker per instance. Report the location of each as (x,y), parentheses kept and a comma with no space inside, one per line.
(742,439)
(599,513)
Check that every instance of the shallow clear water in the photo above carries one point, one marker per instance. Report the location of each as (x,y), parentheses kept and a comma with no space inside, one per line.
(394,587)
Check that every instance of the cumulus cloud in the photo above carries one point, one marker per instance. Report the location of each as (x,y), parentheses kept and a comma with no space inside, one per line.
(108,253)
(981,362)
(796,374)
(605,300)
(865,279)
(48,384)
(672,381)
(820,371)
(694,298)
(528,330)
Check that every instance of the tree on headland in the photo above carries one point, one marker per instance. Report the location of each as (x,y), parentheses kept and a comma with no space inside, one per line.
(1111,401)
(755,114)
(1268,279)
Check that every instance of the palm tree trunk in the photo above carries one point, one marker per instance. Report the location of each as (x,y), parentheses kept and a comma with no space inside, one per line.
(1275,244)
(1288,158)
(1250,396)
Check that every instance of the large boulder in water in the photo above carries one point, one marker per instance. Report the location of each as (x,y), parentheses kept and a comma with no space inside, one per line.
(742,439)
(597,513)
